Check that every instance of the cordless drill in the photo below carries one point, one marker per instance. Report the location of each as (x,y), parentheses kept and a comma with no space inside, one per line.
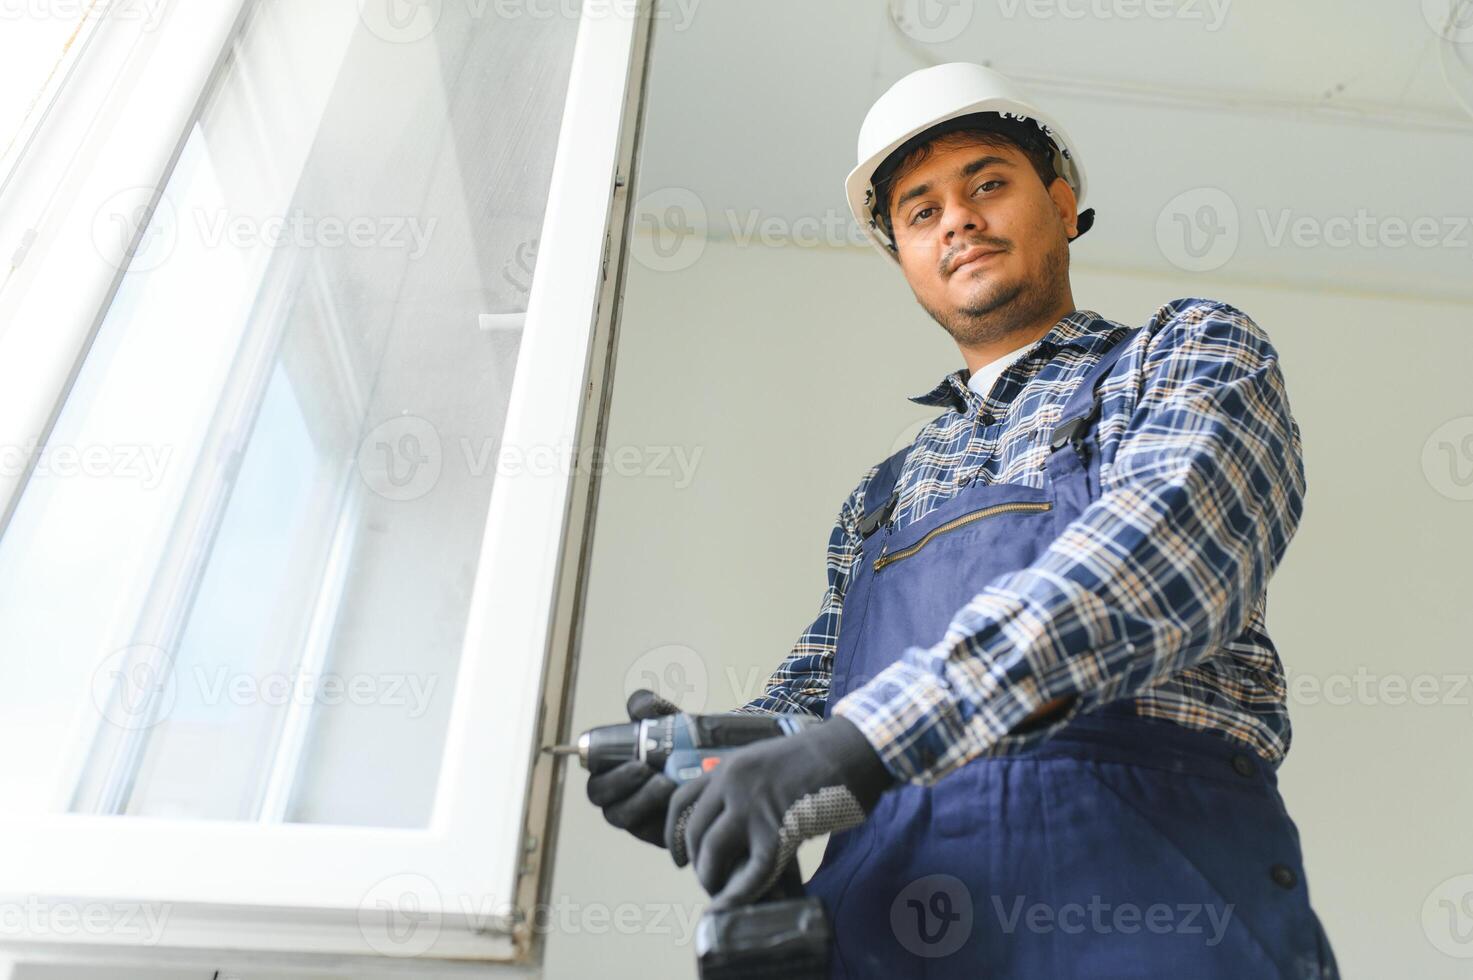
(783,933)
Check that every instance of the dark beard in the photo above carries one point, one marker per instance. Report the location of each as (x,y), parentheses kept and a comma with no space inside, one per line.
(1017,307)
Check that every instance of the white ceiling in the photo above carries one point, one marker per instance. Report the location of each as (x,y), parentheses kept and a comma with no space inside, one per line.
(1306,110)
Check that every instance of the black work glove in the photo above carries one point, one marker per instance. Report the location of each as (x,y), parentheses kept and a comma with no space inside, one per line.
(634,796)
(741,823)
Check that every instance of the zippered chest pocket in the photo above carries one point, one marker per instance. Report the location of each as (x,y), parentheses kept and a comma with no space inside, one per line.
(888,557)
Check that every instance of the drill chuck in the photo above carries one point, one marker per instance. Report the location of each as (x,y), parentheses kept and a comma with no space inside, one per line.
(601,749)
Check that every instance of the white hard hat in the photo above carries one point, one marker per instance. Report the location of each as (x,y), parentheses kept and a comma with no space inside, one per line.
(934,95)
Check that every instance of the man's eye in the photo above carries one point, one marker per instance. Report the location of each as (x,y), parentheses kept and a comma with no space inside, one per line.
(920,215)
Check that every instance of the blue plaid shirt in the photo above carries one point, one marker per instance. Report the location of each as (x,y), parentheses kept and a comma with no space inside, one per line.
(1202,487)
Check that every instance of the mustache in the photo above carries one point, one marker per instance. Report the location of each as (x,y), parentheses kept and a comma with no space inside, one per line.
(998,244)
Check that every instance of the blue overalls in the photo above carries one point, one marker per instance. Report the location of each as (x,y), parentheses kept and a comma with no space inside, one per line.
(1122,846)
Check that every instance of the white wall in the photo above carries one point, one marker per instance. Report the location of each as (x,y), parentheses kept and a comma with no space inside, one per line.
(787,370)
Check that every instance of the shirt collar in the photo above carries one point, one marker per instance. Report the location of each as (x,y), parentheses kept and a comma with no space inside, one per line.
(1075,328)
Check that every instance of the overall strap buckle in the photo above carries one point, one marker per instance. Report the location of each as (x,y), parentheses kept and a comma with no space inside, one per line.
(871,521)
(1083,406)
(882,493)
(1069,430)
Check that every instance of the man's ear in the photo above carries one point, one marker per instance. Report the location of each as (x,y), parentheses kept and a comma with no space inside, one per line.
(1067,205)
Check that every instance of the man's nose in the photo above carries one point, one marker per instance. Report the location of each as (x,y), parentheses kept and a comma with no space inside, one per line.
(960,223)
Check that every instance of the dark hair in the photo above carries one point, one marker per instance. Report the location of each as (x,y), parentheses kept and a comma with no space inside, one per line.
(987,128)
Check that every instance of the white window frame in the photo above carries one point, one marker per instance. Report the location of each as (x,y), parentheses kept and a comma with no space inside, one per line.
(234,888)
(117,125)
(48,96)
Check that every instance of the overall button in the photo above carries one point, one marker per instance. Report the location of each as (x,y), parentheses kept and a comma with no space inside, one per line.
(1243,765)
(1283,876)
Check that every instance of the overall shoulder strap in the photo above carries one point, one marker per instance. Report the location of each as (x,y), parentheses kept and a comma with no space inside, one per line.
(1083,406)
(881,493)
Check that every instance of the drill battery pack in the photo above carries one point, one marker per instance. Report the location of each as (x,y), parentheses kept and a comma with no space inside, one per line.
(787,938)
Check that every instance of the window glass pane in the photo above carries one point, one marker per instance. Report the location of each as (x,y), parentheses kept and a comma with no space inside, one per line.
(236,586)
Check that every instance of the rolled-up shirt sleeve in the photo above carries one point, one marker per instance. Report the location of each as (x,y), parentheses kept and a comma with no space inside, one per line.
(1198,504)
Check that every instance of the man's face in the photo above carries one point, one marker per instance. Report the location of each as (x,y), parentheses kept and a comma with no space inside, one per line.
(969,197)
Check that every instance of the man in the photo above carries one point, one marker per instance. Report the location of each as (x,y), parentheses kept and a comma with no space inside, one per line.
(1053,715)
